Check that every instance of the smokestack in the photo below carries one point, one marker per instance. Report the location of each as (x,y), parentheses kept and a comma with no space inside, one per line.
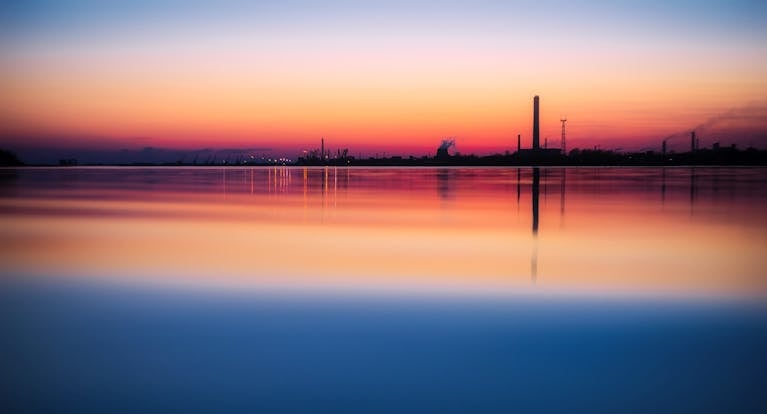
(322,150)
(692,142)
(536,124)
(519,142)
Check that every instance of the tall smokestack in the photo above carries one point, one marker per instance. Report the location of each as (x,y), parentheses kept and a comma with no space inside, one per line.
(322,150)
(519,142)
(536,124)
(692,142)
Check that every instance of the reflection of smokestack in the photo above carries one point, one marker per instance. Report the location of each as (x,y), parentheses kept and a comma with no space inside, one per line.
(536,191)
(534,258)
(536,124)
(692,142)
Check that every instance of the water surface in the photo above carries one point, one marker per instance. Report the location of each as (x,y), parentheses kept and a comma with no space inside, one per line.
(383,290)
(660,230)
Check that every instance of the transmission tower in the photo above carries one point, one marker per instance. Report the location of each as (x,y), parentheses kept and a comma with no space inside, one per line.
(564,148)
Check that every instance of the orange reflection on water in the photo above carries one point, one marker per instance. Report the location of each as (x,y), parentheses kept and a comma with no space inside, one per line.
(649,230)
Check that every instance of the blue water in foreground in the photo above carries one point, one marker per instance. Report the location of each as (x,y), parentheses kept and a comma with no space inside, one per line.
(99,347)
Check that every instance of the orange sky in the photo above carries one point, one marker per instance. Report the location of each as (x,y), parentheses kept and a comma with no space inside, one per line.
(394,85)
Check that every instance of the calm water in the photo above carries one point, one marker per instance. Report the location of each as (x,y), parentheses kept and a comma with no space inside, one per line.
(388,290)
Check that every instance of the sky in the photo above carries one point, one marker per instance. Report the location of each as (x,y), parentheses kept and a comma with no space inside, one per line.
(390,77)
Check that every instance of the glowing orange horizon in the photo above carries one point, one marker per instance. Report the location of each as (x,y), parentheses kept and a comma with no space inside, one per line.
(286,86)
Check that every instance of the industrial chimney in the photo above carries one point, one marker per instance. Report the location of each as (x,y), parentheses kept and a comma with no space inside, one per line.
(536,124)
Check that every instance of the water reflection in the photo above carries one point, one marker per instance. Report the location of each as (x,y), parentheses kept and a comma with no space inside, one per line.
(519,187)
(692,190)
(443,183)
(535,195)
(535,212)
(562,186)
(389,226)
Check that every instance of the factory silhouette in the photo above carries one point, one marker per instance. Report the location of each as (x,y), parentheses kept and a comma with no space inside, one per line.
(534,155)
(543,155)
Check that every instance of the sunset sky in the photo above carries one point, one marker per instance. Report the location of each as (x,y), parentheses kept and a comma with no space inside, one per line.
(384,76)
